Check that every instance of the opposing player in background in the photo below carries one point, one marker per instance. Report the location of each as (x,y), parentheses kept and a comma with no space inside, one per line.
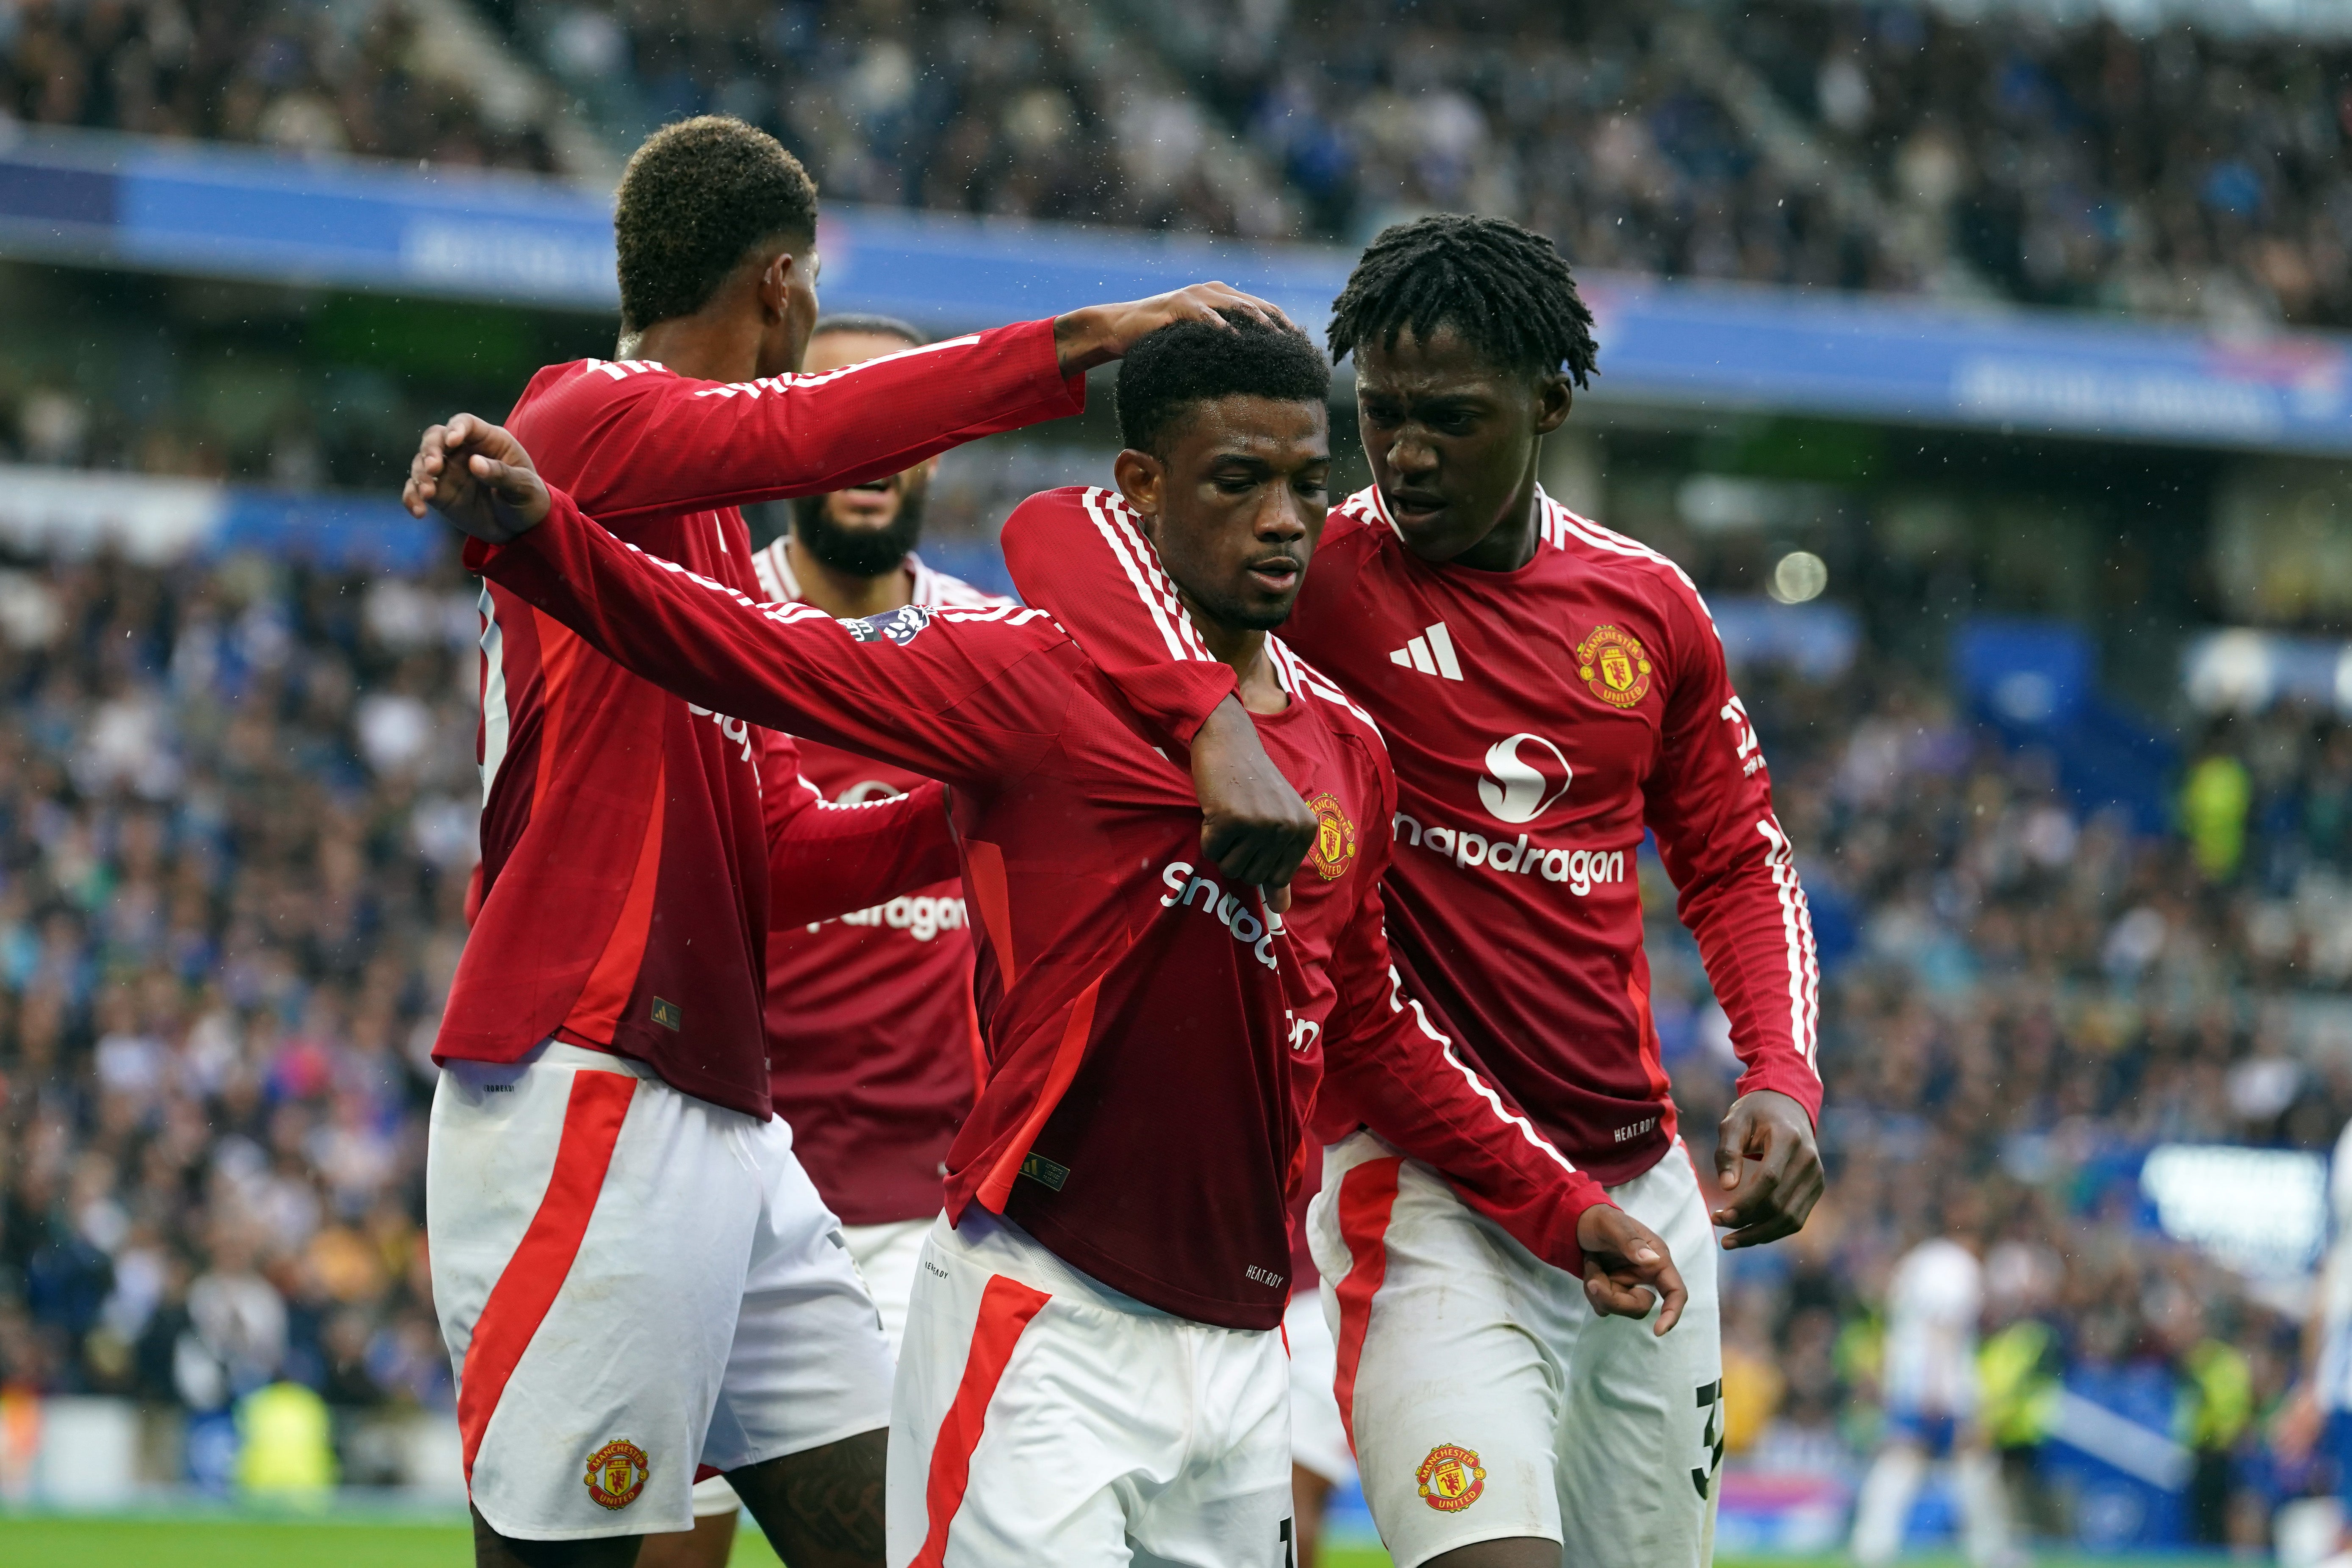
(633,1275)
(874,1049)
(1551,691)
(1090,1366)
(1927,1384)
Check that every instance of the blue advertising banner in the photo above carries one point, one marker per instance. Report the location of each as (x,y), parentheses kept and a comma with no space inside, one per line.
(242,212)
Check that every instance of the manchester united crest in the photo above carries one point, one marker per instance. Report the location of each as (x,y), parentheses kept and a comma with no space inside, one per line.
(1613,667)
(1451,1479)
(1335,838)
(617,1474)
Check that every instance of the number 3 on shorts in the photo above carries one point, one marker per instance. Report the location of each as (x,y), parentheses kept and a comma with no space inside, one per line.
(1710,1441)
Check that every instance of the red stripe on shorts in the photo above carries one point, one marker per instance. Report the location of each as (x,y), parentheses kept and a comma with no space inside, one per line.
(1367,1194)
(528,1285)
(1005,1308)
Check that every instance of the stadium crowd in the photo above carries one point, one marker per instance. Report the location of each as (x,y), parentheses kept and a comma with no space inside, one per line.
(236,824)
(304,78)
(237,811)
(1828,145)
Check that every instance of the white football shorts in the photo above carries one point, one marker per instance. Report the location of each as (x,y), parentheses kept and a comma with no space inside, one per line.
(1484,1397)
(1043,1421)
(632,1283)
(1318,1438)
(887,1255)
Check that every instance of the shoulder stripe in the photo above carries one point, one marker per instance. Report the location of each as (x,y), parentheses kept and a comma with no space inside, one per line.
(1141,563)
(789,382)
(1593,534)
(1299,677)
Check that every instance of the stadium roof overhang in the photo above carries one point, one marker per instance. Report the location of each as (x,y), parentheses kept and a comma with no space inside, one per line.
(238,212)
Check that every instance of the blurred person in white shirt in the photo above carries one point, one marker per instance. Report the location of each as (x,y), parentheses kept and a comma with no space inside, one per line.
(1935,1300)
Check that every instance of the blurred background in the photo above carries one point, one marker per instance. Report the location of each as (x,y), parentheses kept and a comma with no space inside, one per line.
(1980,360)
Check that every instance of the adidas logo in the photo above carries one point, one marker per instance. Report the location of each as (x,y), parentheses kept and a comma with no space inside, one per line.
(1432,653)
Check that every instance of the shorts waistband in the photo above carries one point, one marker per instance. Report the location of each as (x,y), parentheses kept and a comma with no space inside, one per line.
(562,1053)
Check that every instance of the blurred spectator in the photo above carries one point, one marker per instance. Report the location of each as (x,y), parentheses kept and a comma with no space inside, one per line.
(219,940)
(309,78)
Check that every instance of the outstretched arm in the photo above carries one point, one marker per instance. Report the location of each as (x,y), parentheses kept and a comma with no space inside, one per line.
(652,443)
(972,696)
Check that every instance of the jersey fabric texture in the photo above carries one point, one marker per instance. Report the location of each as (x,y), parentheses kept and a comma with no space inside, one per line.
(633,1283)
(1485,1400)
(1042,1421)
(1155,1041)
(626,873)
(873,1045)
(1541,721)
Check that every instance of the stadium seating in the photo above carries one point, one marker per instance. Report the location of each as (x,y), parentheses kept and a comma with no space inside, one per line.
(1827,146)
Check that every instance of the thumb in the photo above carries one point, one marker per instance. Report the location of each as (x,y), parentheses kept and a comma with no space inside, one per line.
(1727,1159)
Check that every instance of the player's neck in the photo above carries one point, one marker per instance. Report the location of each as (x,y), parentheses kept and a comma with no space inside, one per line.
(1511,543)
(844,595)
(1243,648)
(711,345)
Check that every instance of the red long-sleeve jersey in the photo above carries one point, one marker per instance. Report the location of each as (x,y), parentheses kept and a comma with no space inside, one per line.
(1541,720)
(1154,1040)
(873,1050)
(626,867)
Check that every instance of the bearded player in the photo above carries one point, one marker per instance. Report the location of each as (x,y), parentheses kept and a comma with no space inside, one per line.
(1550,690)
(1092,1367)
(873,1046)
(635,1277)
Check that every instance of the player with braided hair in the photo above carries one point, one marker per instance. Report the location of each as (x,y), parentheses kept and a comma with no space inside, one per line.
(1550,690)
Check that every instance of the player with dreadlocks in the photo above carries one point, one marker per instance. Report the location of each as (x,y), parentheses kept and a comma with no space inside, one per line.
(1549,690)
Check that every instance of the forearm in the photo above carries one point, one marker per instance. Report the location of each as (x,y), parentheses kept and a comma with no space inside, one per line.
(825,859)
(682,445)
(788,667)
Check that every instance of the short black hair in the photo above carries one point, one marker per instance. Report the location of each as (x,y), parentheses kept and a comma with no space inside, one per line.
(694,200)
(1186,363)
(1506,289)
(869,326)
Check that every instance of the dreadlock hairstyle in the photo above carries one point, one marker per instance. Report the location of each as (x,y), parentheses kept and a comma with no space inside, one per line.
(1506,289)
(1185,363)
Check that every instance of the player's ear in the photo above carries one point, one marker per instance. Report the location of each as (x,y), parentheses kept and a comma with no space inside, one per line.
(1553,396)
(1141,479)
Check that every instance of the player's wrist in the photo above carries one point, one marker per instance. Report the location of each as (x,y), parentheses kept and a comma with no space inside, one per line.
(1082,339)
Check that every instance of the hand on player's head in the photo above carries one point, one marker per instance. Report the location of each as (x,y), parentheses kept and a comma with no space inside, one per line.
(1627,1268)
(1101,333)
(479,477)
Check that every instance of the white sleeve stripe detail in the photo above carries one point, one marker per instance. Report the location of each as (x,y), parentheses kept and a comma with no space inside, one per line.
(1797,929)
(496,720)
(822,378)
(1602,539)
(1399,1001)
(1135,557)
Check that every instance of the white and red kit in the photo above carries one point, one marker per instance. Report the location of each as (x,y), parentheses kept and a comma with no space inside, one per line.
(874,1049)
(1155,1044)
(1541,720)
(623,1241)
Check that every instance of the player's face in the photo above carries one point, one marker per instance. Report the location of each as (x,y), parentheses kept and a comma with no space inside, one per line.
(870,526)
(1236,504)
(1452,437)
